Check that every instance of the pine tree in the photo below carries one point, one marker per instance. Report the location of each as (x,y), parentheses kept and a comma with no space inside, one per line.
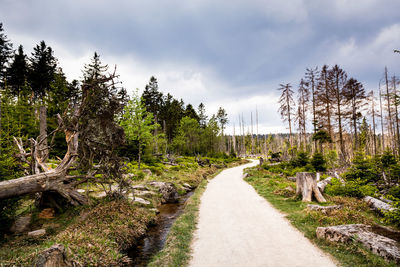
(339,79)
(201,111)
(17,73)
(311,81)
(355,96)
(373,112)
(324,99)
(41,70)
(287,106)
(301,118)
(5,54)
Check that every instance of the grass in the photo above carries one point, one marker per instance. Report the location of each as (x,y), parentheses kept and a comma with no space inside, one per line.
(276,190)
(97,234)
(177,249)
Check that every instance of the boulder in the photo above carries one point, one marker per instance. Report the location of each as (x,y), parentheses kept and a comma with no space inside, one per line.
(145,193)
(377,205)
(53,256)
(21,224)
(140,187)
(37,233)
(168,191)
(380,245)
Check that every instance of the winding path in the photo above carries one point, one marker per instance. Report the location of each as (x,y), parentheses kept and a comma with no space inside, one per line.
(237,227)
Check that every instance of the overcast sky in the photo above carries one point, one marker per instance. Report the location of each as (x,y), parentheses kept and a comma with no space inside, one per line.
(232,53)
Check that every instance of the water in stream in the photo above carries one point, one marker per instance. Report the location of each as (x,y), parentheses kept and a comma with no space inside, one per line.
(157,234)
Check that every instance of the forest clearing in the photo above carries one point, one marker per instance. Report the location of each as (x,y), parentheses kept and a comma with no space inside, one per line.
(249,133)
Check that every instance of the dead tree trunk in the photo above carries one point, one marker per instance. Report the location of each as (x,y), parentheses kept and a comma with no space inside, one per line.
(306,185)
(50,180)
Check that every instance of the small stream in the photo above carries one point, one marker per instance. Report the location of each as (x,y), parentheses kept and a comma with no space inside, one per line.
(157,234)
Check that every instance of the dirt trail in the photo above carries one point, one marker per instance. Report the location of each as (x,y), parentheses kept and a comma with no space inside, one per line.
(237,227)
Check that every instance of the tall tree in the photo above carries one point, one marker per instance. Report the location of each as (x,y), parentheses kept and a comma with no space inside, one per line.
(138,124)
(304,95)
(396,103)
(222,118)
(355,94)
(389,108)
(17,73)
(40,75)
(99,134)
(201,111)
(153,100)
(311,81)
(5,54)
(339,80)
(324,98)
(287,106)
(372,112)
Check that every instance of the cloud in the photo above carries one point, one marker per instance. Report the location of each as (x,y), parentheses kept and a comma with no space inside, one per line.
(231,54)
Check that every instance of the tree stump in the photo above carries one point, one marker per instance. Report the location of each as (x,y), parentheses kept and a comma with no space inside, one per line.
(306,185)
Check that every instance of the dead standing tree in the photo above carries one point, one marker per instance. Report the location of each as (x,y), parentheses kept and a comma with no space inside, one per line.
(92,135)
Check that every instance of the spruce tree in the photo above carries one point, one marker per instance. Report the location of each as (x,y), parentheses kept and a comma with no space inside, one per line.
(5,55)
(17,73)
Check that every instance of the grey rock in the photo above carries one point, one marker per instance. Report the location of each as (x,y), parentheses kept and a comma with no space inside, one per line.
(145,193)
(168,191)
(21,224)
(53,256)
(324,209)
(140,200)
(140,187)
(37,233)
(378,244)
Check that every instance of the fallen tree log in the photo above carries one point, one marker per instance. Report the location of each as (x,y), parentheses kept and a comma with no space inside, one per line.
(55,180)
(322,184)
(377,205)
(306,185)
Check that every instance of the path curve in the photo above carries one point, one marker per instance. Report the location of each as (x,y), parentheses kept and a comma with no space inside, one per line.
(237,227)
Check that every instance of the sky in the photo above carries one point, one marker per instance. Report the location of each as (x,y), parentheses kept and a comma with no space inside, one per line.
(231,54)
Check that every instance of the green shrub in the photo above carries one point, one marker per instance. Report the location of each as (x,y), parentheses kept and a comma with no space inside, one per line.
(318,162)
(394,215)
(394,191)
(301,159)
(355,188)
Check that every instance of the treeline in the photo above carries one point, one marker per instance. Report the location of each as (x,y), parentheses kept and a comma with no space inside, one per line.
(333,111)
(34,89)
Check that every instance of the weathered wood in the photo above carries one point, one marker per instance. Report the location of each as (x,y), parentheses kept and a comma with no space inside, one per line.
(306,185)
(379,244)
(322,184)
(50,179)
(378,205)
(324,208)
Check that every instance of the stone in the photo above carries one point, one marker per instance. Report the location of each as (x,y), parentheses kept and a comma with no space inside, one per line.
(168,191)
(324,209)
(102,194)
(377,205)
(380,245)
(81,191)
(141,201)
(37,233)
(140,187)
(47,213)
(21,224)
(54,256)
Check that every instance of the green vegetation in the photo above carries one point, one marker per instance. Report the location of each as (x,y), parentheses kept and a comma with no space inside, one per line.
(280,193)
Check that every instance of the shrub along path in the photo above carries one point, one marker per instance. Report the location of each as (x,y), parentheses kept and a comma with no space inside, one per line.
(237,227)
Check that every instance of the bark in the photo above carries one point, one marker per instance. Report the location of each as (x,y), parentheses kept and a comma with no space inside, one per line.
(322,184)
(306,185)
(389,108)
(50,180)
(43,149)
(377,205)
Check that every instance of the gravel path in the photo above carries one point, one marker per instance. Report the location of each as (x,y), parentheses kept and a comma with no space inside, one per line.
(237,227)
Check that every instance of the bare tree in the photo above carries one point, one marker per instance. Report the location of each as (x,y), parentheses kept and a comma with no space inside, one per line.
(287,106)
